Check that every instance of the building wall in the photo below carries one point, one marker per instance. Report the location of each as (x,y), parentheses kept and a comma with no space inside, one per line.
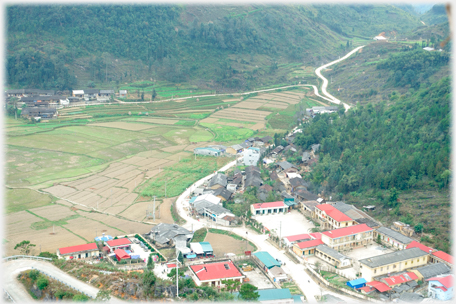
(369,273)
(356,241)
(433,259)
(305,251)
(264,211)
(386,240)
(81,256)
(437,293)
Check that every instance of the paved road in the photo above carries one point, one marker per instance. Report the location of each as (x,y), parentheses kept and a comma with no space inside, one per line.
(12,268)
(325,81)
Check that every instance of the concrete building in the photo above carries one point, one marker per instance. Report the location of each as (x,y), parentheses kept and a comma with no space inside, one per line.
(392,262)
(306,247)
(123,243)
(442,257)
(266,260)
(78,93)
(441,288)
(207,197)
(251,156)
(275,296)
(392,238)
(348,237)
(207,151)
(268,208)
(167,234)
(331,218)
(333,257)
(79,252)
(123,93)
(212,274)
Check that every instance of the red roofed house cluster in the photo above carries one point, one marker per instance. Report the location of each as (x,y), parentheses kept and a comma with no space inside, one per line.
(79,251)
(268,208)
(331,218)
(211,274)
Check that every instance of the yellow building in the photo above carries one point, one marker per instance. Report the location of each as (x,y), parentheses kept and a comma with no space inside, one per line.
(392,262)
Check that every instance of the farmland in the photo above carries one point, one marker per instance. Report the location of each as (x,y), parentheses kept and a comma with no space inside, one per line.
(98,167)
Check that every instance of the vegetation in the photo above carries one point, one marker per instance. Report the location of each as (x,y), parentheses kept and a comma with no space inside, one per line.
(25,247)
(248,292)
(199,235)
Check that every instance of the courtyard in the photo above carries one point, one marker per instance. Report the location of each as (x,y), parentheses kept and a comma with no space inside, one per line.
(286,224)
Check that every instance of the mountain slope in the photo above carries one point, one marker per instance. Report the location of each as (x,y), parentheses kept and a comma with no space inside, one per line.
(229,47)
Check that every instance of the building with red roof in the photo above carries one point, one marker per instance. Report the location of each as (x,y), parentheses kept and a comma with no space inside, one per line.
(123,243)
(442,257)
(121,254)
(292,239)
(211,274)
(380,286)
(397,280)
(348,237)
(331,218)
(416,244)
(79,251)
(306,247)
(441,288)
(268,208)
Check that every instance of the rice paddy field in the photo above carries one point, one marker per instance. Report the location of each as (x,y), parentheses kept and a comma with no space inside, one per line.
(96,168)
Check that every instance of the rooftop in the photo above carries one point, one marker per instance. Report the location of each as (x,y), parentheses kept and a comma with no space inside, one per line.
(399,279)
(433,270)
(266,259)
(118,242)
(393,257)
(415,244)
(444,256)
(274,294)
(78,248)
(332,253)
(396,236)
(309,244)
(346,231)
(445,281)
(215,271)
(269,205)
(332,212)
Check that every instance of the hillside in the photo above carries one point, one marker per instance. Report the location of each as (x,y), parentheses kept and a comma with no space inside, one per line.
(218,47)
(436,15)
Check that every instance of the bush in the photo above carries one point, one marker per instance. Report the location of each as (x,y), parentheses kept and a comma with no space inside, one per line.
(33,274)
(42,282)
(80,298)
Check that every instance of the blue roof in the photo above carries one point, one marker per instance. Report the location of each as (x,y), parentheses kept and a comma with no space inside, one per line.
(356,282)
(206,246)
(274,294)
(192,199)
(253,148)
(267,259)
(289,203)
(103,238)
(297,298)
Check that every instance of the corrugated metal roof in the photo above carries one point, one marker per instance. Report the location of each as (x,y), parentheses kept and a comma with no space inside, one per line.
(332,253)
(395,235)
(206,247)
(432,270)
(266,259)
(274,294)
(394,257)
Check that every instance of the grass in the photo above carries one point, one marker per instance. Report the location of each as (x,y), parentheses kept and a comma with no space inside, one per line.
(228,133)
(199,235)
(294,289)
(23,199)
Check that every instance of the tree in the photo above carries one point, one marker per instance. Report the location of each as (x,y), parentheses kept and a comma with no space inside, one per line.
(154,94)
(34,274)
(419,228)
(148,281)
(25,247)
(172,274)
(46,254)
(150,263)
(393,196)
(80,298)
(249,292)
(42,282)
(142,95)
(379,240)
(103,295)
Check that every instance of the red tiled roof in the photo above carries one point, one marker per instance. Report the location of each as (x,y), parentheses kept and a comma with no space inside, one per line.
(215,271)
(309,244)
(365,288)
(121,254)
(316,235)
(333,212)
(380,286)
(414,244)
(444,256)
(269,205)
(118,242)
(78,248)
(171,265)
(350,230)
(399,279)
(445,281)
(298,237)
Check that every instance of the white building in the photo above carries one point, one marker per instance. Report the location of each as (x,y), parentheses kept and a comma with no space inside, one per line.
(251,156)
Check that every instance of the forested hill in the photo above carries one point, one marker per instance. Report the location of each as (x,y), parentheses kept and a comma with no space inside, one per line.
(183,42)
(404,145)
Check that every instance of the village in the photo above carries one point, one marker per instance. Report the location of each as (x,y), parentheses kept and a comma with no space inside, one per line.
(347,255)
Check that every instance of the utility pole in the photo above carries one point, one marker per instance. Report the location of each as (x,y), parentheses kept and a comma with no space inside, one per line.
(153,212)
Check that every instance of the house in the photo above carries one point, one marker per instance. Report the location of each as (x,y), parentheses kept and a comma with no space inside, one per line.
(441,288)
(306,247)
(30,92)
(275,296)
(348,237)
(331,218)
(78,93)
(290,147)
(106,93)
(369,222)
(315,148)
(296,182)
(277,274)
(305,195)
(266,260)
(207,197)
(380,38)
(217,181)
(405,229)
(431,270)
(207,151)
(212,274)
(251,156)
(293,239)
(79,251)
(284,165)
(397,280)
(215,212)
(252,177)
(273,176)
(442,257)
(358,283)
(234,149)
(232,187)
(41,112)
(309,207)
(392,238)
(416,244)
(428,49)
(223,194)
(120,254)
(333,257)
(266,140)
(222,148)
(305,157)
(15,93)
(377,285)
(123,93)
(227,220)
(202,248)
(277,150)
(392,262)
(123,243)
(167,234)
(268,208)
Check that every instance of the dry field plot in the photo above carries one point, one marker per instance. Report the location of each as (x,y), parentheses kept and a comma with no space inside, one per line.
(60,190)
(240,114)
(276,105)
(209,120)
(161,164)
(88,228)
(124,125)
(137,212)
(159,121)
(234,99)
(180,155)
(225,244)
(134,160)
(124,225)
(287,100)
(249,104)
(258,126)
(53,212)
(174,148)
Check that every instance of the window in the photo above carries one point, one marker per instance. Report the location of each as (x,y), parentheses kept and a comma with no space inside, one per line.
(381,268)
(394,266)
(411,262)
(375,271)
(387,268)
(405,263)
(417,260)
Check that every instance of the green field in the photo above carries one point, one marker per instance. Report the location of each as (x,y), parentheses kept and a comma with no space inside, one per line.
(228,133)
(22,199)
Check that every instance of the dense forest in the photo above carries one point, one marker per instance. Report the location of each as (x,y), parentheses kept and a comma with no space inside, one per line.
(404,145)
(183,42)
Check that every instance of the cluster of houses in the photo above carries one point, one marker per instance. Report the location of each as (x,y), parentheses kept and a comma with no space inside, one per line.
(44,103)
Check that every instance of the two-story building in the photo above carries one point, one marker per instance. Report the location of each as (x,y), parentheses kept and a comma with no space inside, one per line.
(331,218)
(392,262)
(441,288)
(392,238)
(348,237)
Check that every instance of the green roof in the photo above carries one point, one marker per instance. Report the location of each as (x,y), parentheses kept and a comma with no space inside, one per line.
(274,294)
(267,259)
(206,247)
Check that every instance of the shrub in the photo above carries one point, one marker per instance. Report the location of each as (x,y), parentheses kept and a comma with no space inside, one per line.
(42,282)
(33,274)
(80,298)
